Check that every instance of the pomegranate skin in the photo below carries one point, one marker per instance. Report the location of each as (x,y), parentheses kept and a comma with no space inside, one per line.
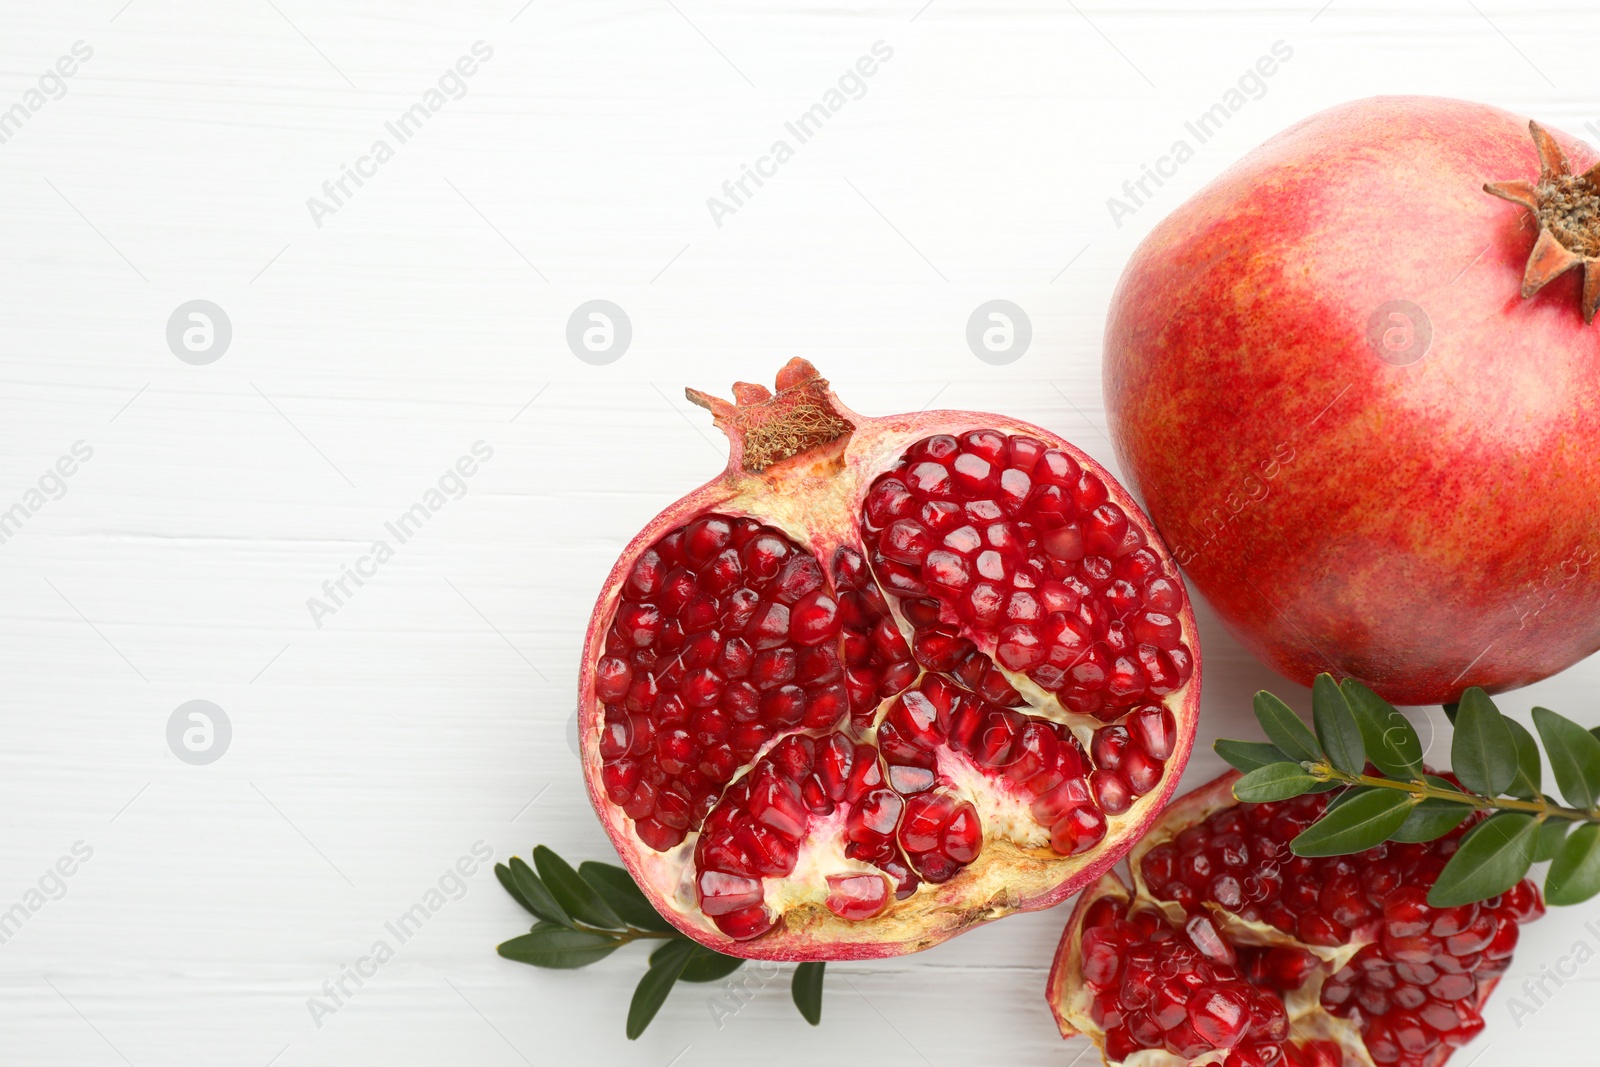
(1423,524)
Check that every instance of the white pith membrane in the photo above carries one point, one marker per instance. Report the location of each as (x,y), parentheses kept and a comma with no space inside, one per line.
(1071,997)
(1016,868)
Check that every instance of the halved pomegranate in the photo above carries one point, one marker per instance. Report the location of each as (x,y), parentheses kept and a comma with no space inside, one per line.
(882,680)
(1230,950)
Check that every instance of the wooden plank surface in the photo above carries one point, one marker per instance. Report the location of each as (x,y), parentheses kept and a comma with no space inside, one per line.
(377,338)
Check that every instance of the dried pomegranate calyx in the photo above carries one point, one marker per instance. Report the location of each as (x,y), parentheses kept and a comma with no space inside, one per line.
(1567,207)
(764,428)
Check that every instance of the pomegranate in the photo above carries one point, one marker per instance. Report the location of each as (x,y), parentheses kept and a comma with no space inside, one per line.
(1359,397)
(883,679)
(1230,950)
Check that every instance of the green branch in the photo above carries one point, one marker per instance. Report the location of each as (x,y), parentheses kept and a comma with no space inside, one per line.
(1365,749)
(586,914)
(1424,790)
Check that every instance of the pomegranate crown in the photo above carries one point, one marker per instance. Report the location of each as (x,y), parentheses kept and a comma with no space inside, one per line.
(765,428)
(1568,209)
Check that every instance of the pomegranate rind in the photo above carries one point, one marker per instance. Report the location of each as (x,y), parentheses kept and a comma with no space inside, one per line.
(815,498)
(1069,999)
(1335,508)
(1065,981)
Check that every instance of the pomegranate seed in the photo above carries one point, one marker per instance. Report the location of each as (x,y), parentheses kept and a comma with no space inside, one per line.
(963,835)
(1453,986)
(1078,830)
(775,802)
(612,678)
(814,619)
(1505,939)
(929,480)
(857,896)
(746,924)
(1381,1045)
(1100,957)
(1156,731)
(1523,902)
(874,816)
(1210,943)
(1111,792)
(659,837)
(925,817)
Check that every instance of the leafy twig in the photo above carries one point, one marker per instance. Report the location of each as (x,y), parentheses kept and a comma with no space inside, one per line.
(587,914)
(1363,747)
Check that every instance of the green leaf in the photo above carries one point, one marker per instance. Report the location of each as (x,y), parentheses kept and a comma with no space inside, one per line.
(1526,785)
(1552,836)
(708,965)
(1450,711)
(1356,825)
(1493,857)
(577,897)
(1430,820)
(1246,756)
(1276,781)
(1484,752)
(1337,729)
(509,884)
(1575,875)
(1284,728)
(535,895)
(1391,741)
(807,990)
(704,964)
(618,889)
(552,945)
(1574,757)
(666,967)
(1433,818)
(1349,794)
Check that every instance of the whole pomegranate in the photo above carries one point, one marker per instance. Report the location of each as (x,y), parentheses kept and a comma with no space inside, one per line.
(882,680)
(1361,401)
(1231,951)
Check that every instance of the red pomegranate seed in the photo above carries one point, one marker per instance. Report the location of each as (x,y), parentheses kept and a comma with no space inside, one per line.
(963,835)
(1523,902)
(1078,830)
(721,893)
(657,836)
(857,896)
(1156,730)
(746,924)
(875,816)
(1111,792)
(924,820)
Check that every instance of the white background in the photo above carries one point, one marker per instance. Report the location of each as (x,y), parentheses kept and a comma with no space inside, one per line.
(428,313)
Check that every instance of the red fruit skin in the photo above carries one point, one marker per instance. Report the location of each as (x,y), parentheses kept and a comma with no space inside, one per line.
(950,909)
(1424,527)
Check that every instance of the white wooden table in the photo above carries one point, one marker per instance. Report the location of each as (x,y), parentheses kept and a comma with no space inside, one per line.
(376,338)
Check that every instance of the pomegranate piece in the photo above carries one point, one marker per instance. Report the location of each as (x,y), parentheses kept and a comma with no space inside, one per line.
(883,679)
(1282,312)
(1172,967)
